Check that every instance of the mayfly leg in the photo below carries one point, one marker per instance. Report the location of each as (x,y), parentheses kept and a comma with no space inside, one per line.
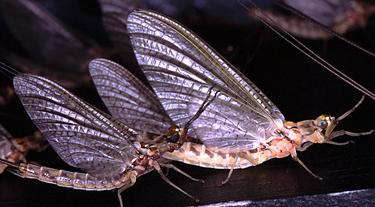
(306,168)
(207,101)
(171,166)
(133,179)
(330,134)
(158,169)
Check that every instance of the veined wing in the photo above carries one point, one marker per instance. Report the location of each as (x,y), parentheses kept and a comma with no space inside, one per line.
(181,68)
(114,14)
(127,98)
(83,136)
(5,144)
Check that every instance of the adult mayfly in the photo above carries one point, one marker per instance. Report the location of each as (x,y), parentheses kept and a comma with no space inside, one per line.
(15,149)
(241,120)
(135,105)
(110,153)
(339,16)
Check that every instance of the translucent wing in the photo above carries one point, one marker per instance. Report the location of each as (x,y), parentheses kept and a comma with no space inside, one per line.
(5,144)
(114,17)
(327,12)
(41,34)
(128,99)
(83,137)
(181,68)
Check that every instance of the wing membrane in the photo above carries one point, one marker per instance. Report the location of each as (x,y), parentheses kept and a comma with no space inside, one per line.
(114,14)
(181,68)
(128,99)
(83,137)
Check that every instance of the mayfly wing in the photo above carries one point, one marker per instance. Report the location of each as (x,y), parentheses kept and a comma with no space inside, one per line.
(127,98)
(131,102)
(83,136)
(49,35)
(181,68)
(114,14)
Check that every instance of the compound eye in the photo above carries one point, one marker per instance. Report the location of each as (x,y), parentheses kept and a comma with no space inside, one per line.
(174,138)
(322,124)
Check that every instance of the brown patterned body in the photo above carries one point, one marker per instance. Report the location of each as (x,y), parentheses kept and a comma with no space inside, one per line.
(294,135)
(82,181)
(198,154)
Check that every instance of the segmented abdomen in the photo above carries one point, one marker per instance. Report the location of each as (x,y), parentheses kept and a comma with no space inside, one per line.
(74,180)
(198,154)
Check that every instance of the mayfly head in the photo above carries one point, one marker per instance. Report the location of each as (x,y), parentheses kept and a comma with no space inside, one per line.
(319,130)
(175,138)
(324,121)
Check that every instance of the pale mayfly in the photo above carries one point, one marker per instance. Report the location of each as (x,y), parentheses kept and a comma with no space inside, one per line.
(241,121)
(111,154)
(339,16)
(15,149)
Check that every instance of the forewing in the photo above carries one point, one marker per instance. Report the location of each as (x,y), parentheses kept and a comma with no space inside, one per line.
(5,144)
(127,98)
(181,69)
(114,14)
(83,136)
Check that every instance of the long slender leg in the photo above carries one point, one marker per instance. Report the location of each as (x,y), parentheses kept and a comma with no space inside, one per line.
(228,176)
(329,132)
(351,110)
(306,168)
(120,190)
(338,143)
(352,134)
(158,169)
(171,166)
(204,105)
(305,146)
(230,173)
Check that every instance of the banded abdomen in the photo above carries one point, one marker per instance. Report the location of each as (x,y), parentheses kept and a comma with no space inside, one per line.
(76,180)
(200,155)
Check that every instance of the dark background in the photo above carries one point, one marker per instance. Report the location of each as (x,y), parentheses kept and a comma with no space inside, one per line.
(300,88)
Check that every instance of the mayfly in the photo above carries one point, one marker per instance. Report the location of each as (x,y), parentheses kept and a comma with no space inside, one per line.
(109,152)
(241,123)
(135,105)
(339,16)
(15,149)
